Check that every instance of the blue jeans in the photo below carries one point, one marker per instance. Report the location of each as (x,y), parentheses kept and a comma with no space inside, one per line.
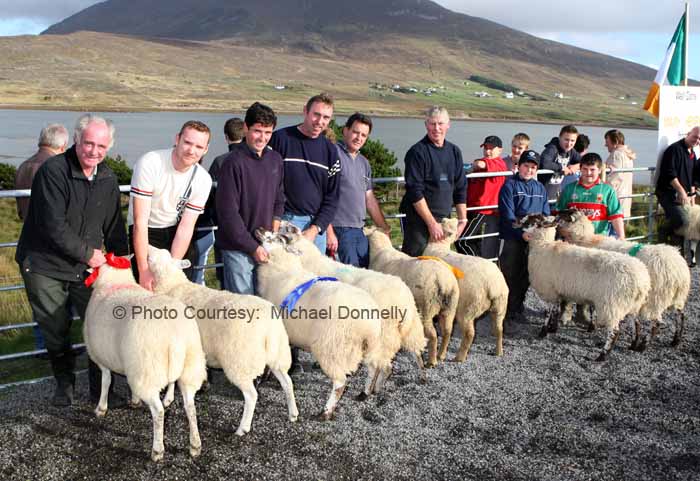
(303,222)
(239,272)
(202,246)
(353,246)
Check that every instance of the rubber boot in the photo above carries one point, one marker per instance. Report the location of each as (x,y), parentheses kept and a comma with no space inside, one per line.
(62,364)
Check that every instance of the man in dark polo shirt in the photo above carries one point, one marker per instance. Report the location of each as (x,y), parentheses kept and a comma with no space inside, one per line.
(678,176)
(435,181)
(250,194)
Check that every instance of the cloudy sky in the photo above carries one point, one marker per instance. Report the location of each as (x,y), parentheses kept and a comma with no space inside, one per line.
(635,30)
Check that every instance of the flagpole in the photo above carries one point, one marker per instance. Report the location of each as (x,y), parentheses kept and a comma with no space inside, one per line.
(687,34)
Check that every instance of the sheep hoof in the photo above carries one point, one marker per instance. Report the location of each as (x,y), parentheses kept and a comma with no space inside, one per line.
(602,357)
(634,346)
(293,418)
(552,327)
(431,364)
(240,431)
(100,413)
(676,342)
(591,328)
(499,353)
(361,397)
(543,332)
(195,451)
(134,404)
(641,347)
(458,359)
(157,455)
(325,416)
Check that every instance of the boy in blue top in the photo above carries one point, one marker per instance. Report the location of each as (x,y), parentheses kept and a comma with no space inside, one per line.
(521,195)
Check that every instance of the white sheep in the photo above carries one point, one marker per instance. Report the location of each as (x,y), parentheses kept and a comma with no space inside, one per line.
(338,323)
(616,284)
(432,283)
(239,332)
(482,288)
(668,271)
(691,232)
(401,329)
(147,338)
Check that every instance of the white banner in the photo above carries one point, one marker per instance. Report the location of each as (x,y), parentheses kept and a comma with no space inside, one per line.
(679,111)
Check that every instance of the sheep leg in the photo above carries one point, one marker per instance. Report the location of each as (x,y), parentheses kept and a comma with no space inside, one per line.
(336,393)
(288,388)
(610,341)
(553,322)
(169,395)
(191,411)
(251,398)
(680,327)
(134,401)
(372,375)
(497,331)
(545,328)
(446,330)
(567,312)
(431,335)
(101,408)
(384,375)
(637,331)
(467,339)
(158,415)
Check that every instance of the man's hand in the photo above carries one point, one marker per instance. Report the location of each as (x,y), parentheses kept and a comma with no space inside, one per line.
(97,258)
(435,230)
(386,228)
(310,233)
(331,241)
(527,237)
(146,279)
(683,198)
(260,255)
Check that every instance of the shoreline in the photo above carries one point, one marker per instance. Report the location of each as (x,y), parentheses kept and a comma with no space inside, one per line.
(342,113)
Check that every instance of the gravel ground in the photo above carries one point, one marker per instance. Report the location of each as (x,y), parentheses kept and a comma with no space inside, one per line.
(543,411)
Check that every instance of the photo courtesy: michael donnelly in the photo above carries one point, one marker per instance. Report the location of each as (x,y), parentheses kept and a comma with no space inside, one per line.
(339,312)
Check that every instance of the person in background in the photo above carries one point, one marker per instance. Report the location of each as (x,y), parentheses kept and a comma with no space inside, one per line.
(435,181)
(559,156)
(74,211)
(484,192)
(53,140)
(356,194)
(519,144)
(621,157)
(169,190)
(521,194)
(581,146)
(233,133)
(677,178)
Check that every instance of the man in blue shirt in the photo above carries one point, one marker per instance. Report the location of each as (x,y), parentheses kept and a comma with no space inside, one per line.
(435,180)
(311,168)
(356,195)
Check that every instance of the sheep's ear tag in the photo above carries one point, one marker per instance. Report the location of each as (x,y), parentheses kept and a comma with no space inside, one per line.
(117,262)
(184,264)
(91,278)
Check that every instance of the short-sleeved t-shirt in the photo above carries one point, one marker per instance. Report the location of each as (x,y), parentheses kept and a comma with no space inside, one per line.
(598,201)
(155,179)
(355,181)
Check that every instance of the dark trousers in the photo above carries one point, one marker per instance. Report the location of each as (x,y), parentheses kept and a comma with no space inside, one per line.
(161,239)
(48,298)
(513,262)
(353,246)
(676,217)
(415,234)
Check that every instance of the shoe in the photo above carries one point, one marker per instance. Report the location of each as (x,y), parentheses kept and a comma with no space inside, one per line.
(63,396)
(295,369)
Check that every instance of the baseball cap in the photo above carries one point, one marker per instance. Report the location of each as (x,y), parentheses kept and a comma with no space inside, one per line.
(492,140)
(530,156)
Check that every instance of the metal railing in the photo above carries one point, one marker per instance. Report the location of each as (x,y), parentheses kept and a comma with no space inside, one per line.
(381,180)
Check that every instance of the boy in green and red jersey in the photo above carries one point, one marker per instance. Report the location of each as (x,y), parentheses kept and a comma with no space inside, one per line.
(596,199)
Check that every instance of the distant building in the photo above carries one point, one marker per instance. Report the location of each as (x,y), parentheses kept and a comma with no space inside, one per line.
(280,87)
(509,95)
(558,95)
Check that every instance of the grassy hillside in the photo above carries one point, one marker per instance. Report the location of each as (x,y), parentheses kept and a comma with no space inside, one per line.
(91,71)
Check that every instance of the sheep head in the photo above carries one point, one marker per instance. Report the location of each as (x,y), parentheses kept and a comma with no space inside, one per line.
(573,225)
(450,229)
(377,238)
(296,240)
(539,226)
(117,270)
(276,241)
(164,268)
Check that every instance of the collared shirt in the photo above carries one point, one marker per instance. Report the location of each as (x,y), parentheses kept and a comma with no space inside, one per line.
(355,182)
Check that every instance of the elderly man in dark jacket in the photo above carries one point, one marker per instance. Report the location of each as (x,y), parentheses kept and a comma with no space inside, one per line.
(74,210)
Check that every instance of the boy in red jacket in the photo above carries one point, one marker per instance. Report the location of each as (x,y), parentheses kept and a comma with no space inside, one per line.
(484,192)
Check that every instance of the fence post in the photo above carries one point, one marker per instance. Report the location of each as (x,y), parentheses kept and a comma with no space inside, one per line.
(650,212)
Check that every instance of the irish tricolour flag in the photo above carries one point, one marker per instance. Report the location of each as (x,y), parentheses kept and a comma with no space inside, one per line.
(672,70)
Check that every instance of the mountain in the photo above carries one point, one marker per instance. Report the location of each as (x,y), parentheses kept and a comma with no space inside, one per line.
(222,55)
(318,25)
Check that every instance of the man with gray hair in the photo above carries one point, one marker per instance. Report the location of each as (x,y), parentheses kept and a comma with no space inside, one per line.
(53,140)
(74,211)
(435,181)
